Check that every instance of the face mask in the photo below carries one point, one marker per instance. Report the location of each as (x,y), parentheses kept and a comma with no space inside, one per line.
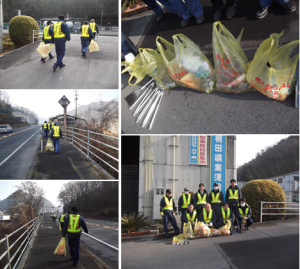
(186,192)
(216,188)
(242,205)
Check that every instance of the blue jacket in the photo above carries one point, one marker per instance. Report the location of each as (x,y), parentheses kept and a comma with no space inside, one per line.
(81,224)
(180,201)
(221,197)
(163,204)
(48,41)
(220,216)
(90,33)
(213,217)
(233,201)
(65,30)
(185,219)
(52,131)
(97,28)
(200,206)
(237,211)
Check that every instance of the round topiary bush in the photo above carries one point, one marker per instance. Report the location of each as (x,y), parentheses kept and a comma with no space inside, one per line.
(264,190)
(20,30)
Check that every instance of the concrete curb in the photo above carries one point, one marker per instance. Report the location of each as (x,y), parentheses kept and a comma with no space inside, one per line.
(19,48)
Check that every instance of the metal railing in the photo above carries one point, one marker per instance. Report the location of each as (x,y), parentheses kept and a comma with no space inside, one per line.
(292,197)
(72,134)
(36,34)
(289,206)
(31,228)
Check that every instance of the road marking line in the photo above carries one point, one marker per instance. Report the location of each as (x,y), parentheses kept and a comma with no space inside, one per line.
(16,149)
(106,227)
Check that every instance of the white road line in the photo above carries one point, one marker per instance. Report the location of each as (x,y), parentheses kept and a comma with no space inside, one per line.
(16,149)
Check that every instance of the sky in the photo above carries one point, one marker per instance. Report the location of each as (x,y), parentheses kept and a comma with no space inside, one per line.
(45,102)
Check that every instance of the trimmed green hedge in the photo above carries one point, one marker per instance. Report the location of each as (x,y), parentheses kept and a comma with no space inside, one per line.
(265,190)
(20,30)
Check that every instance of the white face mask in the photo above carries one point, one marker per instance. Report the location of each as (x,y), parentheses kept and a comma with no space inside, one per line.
(216,188)
(242,205)
(186,192)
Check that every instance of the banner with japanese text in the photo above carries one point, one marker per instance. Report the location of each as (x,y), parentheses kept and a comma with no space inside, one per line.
(198,149)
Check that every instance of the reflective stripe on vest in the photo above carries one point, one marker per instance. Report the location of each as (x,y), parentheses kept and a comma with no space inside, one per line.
(93,26)
(193,217)
(215,199)
(201,201)
(62,218)
(54,216)
(57,30)
(46,32)
(73,226)
(45,126)
(85,31)
(207,220)
(241,211)
(186,203)
(223,213)
(169,204)
(56,131)
(233,196)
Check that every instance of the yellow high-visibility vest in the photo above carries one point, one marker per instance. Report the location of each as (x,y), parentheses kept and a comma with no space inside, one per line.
(46,32)
(62,218)
(241,211)
(45,126)
(186,203)
(215,199)
(57,30)
(234,195)
(201,201)
(205,218)
(169,204)
(193,217)
(56,131)
(224,215)
(93,27)
(85,31)
(73,226)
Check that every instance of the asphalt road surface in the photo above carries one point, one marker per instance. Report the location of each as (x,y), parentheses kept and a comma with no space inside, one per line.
(22,69)
(110,223)
(15,161)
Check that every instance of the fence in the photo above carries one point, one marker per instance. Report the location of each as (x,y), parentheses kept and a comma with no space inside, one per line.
(73,134)
(292,197)
(104,30)
(36,34)
(29,232)
(289,206)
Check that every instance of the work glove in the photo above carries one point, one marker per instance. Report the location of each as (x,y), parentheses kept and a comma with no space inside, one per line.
(210,224)
(225,221)
(193,222)
(129,57)
(176,212)
(161,214)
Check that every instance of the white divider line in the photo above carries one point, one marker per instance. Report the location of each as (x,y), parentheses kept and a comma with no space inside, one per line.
(101,242)
(17,149)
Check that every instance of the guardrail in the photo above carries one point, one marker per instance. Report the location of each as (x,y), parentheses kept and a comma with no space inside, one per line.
(72,134)
(29,232)
(292,197)
(36,34)
(293,206)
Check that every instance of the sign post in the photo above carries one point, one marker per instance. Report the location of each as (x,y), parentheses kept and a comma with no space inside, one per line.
(64,102)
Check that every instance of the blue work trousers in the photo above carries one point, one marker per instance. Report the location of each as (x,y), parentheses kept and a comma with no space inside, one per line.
(84,45)
(195,9)
(183,212)
(266,3)
(74,243)
(54,220)
(56,144)
(60,48)
(152,4)
(170,217)
(249,222)
(124,45)
(45,132)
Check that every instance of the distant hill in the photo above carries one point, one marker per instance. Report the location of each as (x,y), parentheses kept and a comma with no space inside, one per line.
(83,108)
(276,160)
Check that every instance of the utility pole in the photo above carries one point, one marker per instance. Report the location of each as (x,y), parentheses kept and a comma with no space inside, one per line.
(101,19)
(1,26)
(76,98)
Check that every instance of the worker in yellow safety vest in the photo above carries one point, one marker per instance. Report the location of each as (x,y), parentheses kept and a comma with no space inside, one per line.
(45,127)
(243,213)
(200,199)
(94,27)
(54,218)
(48,38)
(86,37)
(190,215)
(62,221)
(224,215)
(73,224)
(167,206)
(184,200)
(233,194)
(216,198)
(208,216)
(56,134)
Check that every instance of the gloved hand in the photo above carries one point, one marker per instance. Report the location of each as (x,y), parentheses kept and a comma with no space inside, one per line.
(176,212)
(225,222)
(193,222)
(210,224)
(161,214)
(180,213)
(129,57)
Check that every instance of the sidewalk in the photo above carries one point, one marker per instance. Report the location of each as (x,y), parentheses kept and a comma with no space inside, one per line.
(44,243)
(69,163)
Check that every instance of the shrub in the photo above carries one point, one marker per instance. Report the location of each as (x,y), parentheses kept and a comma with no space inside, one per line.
(133,222)
(20,30)
(264,190)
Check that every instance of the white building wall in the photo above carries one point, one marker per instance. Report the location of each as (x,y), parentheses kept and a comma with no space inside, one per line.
(288,182)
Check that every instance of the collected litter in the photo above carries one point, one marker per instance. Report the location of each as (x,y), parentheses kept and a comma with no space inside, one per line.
(93,46)
(49,146)
(61,248)
(44,49)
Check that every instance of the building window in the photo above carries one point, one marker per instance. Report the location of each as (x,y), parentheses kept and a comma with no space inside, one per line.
(280,180)
(275,180)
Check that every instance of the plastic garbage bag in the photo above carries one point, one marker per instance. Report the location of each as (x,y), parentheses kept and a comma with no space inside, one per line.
(225,230)
(201,230)
(186,63)
(135,69)
(93,46)
(61,248)
(155,68)
(44,49)
(188,232)
(214,232)
(178,238)
(272,71)
(59,228)
(230,61)
(49,146)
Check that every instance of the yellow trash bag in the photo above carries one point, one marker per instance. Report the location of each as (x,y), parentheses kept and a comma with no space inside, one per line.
(230,61)
(135,69)
(59,228)
(201,230)
(186,63)
(49,146)
(178,238)
(94,46)
(225,230)
(272,71)
(44,49)
(155,68)
(214,232)
(188,232)
(61,248)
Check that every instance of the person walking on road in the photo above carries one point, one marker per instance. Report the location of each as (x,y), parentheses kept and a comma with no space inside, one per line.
(86,36)
(54,218)
(48,38)
(200,199)
(61,35)
(56,134)
(233,194)
(94,27)
(73,222)
(167,205)
(184,200)
(62,221)
(216,198)
(287,7)
(45,128)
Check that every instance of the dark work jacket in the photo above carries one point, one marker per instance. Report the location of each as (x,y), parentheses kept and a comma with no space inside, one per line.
(48,41)
(185,219)
(180,201)
(65,30)
(87,38)
(82,224)
(213,217)
(163,204)
(200,206)
(237,212)
(46,128)
(220,217)
(233,201)
(52,131)
(221,197)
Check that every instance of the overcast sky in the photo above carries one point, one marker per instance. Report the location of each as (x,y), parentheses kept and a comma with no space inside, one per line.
(45,102)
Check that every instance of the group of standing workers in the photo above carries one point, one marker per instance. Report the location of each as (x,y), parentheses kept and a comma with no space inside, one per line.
(55,133)
(58,34)
(208,208)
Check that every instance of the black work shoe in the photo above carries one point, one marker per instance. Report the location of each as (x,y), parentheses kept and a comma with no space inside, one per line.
(218,12)
(63,65)
(288,7)
(159,18)
(54,68)
(230,11)
(43,61)
(184,22)
(83,54)
(200,19)
(51,57)
(261,13)
(179,15)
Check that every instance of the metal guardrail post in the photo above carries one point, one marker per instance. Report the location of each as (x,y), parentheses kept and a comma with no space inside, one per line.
(260,211)
(65,134)
(7,249)
(27,234)
(88,145)
(72,136)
